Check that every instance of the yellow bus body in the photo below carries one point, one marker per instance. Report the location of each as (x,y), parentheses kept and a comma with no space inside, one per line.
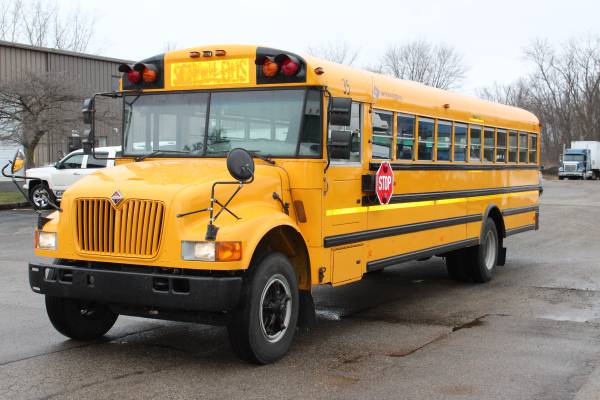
(331,200)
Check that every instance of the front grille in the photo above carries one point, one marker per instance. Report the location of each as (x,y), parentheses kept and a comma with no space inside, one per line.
(132,230)
(570,168)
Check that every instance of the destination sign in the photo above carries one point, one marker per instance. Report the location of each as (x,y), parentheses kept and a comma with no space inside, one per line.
(210,72)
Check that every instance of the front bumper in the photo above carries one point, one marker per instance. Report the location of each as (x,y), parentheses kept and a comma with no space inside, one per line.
(137,289)
(573,174)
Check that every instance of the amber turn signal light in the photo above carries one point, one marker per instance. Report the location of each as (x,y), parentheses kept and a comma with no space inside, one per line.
(228,251)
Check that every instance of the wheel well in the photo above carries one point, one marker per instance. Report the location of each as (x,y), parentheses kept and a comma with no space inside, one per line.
(494,213)
(286,240)
(33,182)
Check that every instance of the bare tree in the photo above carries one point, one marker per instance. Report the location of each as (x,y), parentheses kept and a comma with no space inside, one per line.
(34,105)
(45,24)
(563,90)
(439,66)
(340,52)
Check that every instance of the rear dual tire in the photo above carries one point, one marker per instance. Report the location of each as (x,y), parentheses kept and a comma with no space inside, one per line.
(477,263)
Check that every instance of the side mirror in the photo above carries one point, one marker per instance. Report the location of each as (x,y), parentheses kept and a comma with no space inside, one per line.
(87,145)
(18,162)
(340,111)
(88,112)
(240,165)
(340,145)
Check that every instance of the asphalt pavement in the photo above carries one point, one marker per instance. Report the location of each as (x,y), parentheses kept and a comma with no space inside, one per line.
(407,333)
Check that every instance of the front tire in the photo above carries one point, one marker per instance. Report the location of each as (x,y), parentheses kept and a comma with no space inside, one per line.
(79,320)
(41,196)
(262,328)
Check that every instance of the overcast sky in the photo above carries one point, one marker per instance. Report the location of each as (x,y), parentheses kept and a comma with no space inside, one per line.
(490,35)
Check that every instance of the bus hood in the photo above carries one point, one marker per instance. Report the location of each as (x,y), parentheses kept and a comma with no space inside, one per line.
(182,185)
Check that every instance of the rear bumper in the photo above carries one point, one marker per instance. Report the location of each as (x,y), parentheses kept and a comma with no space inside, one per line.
(137,289)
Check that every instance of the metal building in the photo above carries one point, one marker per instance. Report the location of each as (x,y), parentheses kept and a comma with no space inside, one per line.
(93,74)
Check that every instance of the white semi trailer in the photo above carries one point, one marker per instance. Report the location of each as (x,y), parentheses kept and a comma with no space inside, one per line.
(581,161)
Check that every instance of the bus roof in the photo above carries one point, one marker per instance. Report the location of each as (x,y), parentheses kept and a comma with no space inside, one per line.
(381,91)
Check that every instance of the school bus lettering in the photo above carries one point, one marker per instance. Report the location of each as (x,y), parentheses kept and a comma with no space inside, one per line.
(214,72)
(235,195)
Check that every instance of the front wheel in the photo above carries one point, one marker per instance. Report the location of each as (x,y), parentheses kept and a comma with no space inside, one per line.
(78,319)
(41,196)
(262,328)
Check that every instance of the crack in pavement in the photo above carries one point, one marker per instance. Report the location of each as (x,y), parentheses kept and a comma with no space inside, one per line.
(96,342)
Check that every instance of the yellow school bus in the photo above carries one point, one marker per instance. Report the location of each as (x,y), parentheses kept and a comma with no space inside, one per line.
(249,175)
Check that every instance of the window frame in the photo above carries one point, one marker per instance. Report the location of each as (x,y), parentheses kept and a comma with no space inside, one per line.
(339,161)
(397,137)
(418,137)
(533,149)
(454,142)
(484,147)
(512,133)
(392,143)
(526,136)
(449,123)
(480,160)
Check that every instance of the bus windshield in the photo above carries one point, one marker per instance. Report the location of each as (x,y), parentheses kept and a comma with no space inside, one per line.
(278,123)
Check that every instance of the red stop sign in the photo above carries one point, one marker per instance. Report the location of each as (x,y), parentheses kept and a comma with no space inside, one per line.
(384,183)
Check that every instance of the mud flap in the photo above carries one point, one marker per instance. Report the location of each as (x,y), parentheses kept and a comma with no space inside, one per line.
(502,256)
(306,314)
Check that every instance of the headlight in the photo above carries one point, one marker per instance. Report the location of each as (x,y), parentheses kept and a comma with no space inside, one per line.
(45,240)
(211,251)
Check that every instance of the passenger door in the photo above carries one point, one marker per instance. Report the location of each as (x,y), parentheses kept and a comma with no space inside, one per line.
(344,212)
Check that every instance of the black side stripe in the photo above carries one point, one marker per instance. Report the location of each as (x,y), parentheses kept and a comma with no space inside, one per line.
(450,167)
(514,231)
(371,234)
(520,210)
(453,194)
(415,255)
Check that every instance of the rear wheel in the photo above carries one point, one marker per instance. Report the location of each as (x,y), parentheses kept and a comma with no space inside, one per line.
(262,329)
(79,320)
(482,259)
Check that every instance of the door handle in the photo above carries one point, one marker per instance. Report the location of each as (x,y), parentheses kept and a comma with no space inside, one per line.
(76,173)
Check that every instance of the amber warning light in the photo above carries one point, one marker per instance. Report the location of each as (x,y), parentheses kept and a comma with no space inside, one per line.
(139,72)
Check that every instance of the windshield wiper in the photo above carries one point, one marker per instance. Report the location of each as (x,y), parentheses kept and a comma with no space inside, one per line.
(155,152)
(266,157)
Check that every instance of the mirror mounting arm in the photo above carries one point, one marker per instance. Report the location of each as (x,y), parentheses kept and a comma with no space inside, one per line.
(212,229)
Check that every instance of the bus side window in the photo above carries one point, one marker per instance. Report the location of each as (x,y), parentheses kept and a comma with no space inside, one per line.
(356,135)
(512,146)
(523,147)
(488,144)
(310,136)
(501,146)
(444,140)
(383,127)
(460,142)
(405,141)
(426,139)
(533,148)
(475,154)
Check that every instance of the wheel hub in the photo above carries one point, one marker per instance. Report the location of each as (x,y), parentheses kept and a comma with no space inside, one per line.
(275,308)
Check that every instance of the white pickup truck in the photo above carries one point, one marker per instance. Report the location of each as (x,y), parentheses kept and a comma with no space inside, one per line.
(50,182)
